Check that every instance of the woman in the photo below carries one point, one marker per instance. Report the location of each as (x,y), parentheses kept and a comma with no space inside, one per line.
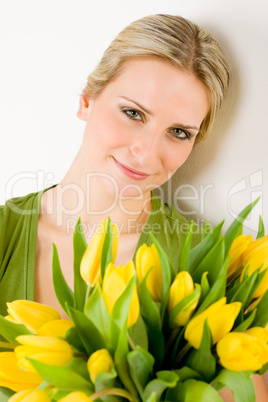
(154,94)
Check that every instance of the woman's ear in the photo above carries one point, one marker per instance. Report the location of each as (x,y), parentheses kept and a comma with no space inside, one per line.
(82,112)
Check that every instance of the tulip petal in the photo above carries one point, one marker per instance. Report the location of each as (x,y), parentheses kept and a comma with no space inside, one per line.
(55,328)
(33,315)
(30,395)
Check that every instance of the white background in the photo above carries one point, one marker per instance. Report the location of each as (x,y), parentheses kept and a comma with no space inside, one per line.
(47,49)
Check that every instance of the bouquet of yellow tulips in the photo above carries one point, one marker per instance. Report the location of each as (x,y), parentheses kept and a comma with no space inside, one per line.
(147,331)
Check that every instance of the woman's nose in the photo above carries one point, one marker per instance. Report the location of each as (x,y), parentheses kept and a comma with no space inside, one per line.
(146,150)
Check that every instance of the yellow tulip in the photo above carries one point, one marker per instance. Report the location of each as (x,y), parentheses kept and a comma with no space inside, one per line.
(114,283)
(99,362)
(255,256)
(90,267)
(238,247)
(48,350)
(239,351)
(33,315)
(55,328)
(76,396)
(181,287)
(14,378)
(259,333)
(146,258)
(221,318)
(30,395)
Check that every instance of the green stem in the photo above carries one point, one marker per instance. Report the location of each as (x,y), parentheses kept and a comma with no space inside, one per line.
(181,354)
(113,391)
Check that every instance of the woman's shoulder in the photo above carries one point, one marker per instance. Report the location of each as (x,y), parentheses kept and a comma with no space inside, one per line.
(14,215)
(17,206)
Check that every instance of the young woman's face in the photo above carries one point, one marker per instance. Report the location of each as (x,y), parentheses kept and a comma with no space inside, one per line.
(141,128)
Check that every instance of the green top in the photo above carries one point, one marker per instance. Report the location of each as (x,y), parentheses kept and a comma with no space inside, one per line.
(18,231)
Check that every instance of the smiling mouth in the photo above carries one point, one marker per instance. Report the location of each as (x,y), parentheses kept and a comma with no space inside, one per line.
(129,172)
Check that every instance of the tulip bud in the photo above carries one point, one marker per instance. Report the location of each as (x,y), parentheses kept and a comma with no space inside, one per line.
(45,349)
(33,315)
(253,258)
(114,283)
(239,351)
(76,396)
(146,258)
(14,378)
(220,318)
(238,247)
(55,328)
(181,287)
(90,267)
(99,362)
(30,395)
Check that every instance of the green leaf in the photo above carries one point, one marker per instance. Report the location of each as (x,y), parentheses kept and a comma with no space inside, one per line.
(96,311)
(121,363)
(73,338)
(206,229)
(202,360)
(244,289)
(239,382)
(236,227)
(56,394)
(10,330)
(138,333)
(261,229)
(148,307)
(217,291)
(152,397)
(194,391)
(198,253)
(211,263)
(261,318)
(185,373)
(205,287)
(255,286)
(263,369)
(184,250)
(141,365)
(120,312)
(62,377)
(246,323)
(107,380)
(121,307)
(79,366)
(88,332)
(5,394)
(166,274)
(165,379)
(62,290)
(183,305)
(107,249)
(80,286)
(151,315)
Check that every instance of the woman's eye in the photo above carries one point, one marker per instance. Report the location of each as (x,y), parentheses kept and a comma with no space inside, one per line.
(132,114)
(181,134)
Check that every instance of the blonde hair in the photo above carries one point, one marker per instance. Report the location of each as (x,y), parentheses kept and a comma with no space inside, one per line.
(176,40)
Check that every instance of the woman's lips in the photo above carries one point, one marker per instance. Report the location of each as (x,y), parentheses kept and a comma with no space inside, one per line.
(131,173)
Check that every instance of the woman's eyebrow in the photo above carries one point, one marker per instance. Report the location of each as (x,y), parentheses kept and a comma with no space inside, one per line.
(138,104)
(180,125)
